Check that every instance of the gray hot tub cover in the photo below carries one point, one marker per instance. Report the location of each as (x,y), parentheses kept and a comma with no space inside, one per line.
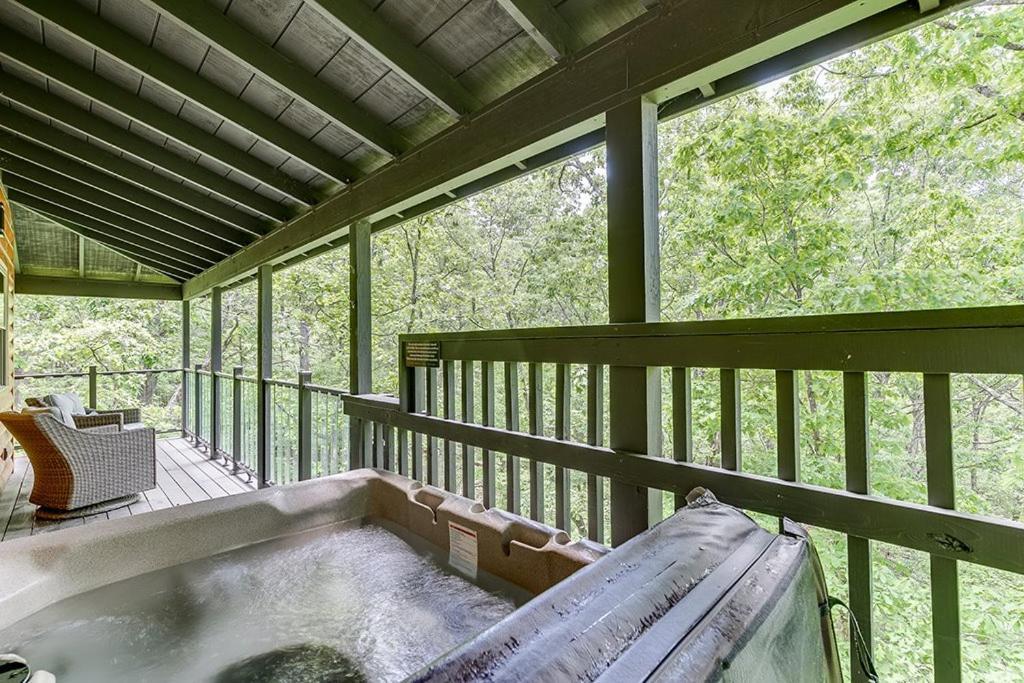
(705,595)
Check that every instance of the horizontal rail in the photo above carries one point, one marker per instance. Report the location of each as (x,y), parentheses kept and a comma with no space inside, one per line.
(282,383)
(333,391)
(956,535)
(85,373)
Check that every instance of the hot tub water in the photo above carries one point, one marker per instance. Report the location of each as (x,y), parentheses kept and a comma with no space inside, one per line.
(346,602)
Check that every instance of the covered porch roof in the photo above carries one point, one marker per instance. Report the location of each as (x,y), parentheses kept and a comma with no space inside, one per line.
(200,140)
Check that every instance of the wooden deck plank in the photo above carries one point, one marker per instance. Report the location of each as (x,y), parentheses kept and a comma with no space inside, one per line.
(184,475)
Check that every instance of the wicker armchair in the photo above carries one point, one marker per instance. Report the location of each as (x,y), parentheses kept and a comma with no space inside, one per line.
(82,472)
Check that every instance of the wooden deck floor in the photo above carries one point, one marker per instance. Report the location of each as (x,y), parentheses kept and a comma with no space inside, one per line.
(183,475)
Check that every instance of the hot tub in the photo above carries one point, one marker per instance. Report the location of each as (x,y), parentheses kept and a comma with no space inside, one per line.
(349,577)
(372,576)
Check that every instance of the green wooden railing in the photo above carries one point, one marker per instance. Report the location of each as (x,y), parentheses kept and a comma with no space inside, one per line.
(461,443)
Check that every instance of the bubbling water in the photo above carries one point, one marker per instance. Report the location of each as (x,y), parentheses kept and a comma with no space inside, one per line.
(345,603)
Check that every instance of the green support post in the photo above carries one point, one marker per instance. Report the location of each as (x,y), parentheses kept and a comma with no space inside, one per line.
(264,368)
(216,365)
(92,387)
(360,358)
(305,426)
(186,360)
(198,403)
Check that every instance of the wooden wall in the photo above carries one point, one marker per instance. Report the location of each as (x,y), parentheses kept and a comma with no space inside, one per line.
(7,385)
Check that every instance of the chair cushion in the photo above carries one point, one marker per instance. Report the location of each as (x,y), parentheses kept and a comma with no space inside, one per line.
(56,413)
(69,402)
(132,425)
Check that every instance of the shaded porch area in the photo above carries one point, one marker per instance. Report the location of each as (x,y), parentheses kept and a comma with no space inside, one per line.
(184,475)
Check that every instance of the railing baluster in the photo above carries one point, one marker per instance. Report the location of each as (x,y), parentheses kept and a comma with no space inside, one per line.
(416,454)
(731,434)
(487,401)
(513,480)
(432,464)
(448,398)
(198,403)
(858,480)
(378,446)
(595,437)
(388,435)
(536,410)
(787,419)
(403,452)
(468,452)
(92,387)
(563,416)
(938,434)
(682,421)
(236,418)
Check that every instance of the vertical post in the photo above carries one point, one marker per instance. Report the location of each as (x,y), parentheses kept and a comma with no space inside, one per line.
(305,426)
(634,295)
(731,434)
(186,362)
(198,402)
(535,407)
(216,365)
(513,480)
(448,409)
(563,432)
(938,440)
(787,417)
(858,480)
(433,477)
(92,387)
(682,421)
(236,418)
(468,452)
(264,369)
(487,401)
(595,437)
(360,368)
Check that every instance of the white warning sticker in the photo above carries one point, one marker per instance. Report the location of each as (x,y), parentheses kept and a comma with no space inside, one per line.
(462,549)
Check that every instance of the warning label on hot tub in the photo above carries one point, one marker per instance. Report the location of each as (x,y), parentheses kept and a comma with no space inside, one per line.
(462,549)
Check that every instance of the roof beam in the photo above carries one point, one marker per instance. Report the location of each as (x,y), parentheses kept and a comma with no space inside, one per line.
(199,16)
(17,150)
(107,289)
(70,208)
(129,173)
(110,208)
(545,25)
(417,67)
(174,231)
(123,243)
(39,59)
(122,46)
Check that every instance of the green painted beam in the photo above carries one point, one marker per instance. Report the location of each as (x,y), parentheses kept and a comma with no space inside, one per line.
(18,168)
(37,58)
(67,154)
(193,254)
(417,67)
(108,237)
(22,156)
(545,25)
(199,16)
(145,251)
(107,289)
(122,46)
(655,55)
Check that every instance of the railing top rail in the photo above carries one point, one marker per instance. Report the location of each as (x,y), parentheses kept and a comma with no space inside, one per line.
(950,318)
(283,383)
(321,389)
(85,373)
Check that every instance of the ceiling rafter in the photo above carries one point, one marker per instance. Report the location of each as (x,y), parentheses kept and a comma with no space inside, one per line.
(70,148)
(122,46)
(98,232)
(36,57)
(26,154)
(173,230)
(202,18)
(544,25)
(146,235)
(368,29)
